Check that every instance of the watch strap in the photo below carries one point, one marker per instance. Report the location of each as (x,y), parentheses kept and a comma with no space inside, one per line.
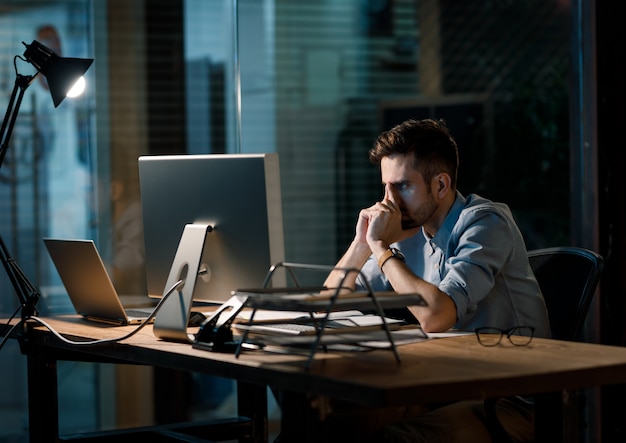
(384,257)
(389,253)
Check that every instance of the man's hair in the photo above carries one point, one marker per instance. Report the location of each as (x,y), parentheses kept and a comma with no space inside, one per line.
(429,141)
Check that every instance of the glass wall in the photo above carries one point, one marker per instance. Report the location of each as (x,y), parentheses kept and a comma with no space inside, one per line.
(343,71)
(46,181)
(313,80)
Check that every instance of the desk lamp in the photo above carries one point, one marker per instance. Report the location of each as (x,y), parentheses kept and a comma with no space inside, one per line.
(64,77)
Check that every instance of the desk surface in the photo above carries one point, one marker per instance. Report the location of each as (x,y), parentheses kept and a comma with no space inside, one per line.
(446,369)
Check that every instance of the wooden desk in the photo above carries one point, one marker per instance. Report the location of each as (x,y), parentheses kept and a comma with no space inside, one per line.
(441,370)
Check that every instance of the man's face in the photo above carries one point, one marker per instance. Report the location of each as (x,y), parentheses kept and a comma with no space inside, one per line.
(415,197)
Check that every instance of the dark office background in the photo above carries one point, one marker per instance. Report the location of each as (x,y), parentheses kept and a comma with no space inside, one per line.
(532,89)
(612,196)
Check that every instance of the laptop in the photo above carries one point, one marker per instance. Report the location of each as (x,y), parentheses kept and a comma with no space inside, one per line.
(88,284)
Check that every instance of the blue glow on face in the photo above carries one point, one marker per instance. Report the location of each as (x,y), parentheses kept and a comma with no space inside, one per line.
(405,190)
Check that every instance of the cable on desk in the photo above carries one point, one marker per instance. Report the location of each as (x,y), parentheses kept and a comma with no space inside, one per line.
(107,340)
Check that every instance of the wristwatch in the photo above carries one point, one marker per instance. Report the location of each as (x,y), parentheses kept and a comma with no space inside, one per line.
(390,253)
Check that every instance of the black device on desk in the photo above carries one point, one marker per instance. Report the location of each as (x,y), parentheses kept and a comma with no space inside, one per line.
(215,332)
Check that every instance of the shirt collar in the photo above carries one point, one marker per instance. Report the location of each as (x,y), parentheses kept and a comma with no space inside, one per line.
(443,233)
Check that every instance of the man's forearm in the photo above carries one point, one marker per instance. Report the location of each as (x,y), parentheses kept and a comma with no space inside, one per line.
(354,258)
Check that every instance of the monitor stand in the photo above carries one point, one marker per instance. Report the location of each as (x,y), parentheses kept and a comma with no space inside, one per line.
(172,318)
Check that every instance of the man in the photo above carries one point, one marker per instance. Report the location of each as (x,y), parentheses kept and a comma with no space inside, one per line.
(464,255)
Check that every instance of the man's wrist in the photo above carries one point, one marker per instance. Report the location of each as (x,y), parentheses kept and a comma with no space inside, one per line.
(378,247)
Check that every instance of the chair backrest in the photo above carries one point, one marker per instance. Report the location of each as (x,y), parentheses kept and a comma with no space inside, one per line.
(568,277)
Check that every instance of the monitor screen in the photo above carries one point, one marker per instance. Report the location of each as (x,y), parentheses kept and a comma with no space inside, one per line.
(238,195)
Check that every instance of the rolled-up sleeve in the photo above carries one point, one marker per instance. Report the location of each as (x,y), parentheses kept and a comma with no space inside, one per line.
(475,257)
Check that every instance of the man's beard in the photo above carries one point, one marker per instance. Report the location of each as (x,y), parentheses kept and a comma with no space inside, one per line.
(421,215)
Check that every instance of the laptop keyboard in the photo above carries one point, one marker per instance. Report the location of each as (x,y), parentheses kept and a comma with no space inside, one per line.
(137,313)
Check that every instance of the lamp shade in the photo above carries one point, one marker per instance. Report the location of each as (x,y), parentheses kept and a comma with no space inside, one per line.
(61,72)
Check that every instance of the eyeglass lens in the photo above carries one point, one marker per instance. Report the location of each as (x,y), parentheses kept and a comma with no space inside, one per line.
(519,336)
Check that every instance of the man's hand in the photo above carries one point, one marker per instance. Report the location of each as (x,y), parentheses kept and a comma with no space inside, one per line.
(384,220)
(362,226)
(384,223)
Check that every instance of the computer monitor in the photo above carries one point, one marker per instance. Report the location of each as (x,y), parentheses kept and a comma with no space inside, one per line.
(237,195)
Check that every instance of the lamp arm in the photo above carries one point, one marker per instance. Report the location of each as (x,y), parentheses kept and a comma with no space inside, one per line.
(21,83)
(26,291)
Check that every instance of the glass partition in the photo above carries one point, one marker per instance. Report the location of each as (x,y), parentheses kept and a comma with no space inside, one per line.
(46,184)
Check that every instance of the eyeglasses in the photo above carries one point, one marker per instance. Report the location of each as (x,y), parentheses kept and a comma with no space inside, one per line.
(518,335)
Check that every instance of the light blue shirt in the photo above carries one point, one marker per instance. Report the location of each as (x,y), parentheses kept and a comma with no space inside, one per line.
(477,257)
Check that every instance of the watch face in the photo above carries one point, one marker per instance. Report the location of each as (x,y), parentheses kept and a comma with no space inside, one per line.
(397,253)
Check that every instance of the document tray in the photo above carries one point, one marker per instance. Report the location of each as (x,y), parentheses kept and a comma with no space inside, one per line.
(322,303)
(282,300)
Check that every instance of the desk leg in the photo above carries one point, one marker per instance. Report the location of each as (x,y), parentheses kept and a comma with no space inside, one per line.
(299,422)
(43,410)
(556,417)
(252,403)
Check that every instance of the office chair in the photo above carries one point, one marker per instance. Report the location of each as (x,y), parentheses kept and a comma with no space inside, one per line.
(568,277)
